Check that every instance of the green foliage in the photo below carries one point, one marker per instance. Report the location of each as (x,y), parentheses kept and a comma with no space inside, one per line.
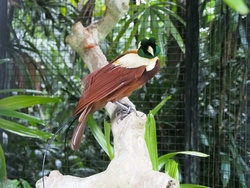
(23,101)
(164,158)
(150,133)
(223,65)
(171,166)
(151,141)
(6,183)
(3,172)
(192,186)
(9,107)
(145,20)
(159,106)
(21,130)
(107,131)
(238,5)
(102,139)
(16,184)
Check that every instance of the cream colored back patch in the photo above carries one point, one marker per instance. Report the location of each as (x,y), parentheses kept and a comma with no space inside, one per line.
(133,60)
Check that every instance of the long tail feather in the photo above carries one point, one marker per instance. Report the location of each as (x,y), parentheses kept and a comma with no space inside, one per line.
(79,131)
(69,123)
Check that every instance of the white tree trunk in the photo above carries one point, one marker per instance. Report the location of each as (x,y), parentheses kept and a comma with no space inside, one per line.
(131,166)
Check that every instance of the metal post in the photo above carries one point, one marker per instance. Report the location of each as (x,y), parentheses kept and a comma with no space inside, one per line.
(191,171)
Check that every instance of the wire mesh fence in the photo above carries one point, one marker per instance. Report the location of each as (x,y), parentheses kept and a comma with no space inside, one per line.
(37,57)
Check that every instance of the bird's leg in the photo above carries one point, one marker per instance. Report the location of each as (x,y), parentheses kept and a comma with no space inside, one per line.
(124,106)
(124,110)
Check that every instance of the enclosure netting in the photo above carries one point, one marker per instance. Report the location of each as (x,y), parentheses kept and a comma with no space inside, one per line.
(40,59)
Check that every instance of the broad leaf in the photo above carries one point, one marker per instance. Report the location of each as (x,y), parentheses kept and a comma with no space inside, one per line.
(160,105)
(21,90)
(99,136)
(23,101)
(171,168)
(151,140)
(3,172)
(15,114)
(164,158)
(107,138)
(192,186)
(23,130)
(237,5)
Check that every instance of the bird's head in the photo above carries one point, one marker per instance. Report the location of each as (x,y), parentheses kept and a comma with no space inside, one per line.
(148,48)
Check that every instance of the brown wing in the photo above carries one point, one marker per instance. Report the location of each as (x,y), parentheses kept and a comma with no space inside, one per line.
(105,82)
(137,83)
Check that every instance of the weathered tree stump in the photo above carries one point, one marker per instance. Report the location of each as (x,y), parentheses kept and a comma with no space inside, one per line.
(130,168)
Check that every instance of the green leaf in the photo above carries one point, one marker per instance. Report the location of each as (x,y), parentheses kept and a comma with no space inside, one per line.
(63,11)
(160,105)
(125,27)
(107,138)
(98,134)
(164,158)
(144,23)
(192,186)
(15,114)
(242,179)
(237,5)
(225,169)
(21,90)
(5,60)
(238,162)
(3,173)
(21,130)
(11,184)
(74,3)
(163,9)
(151,141)
(172,29)
(132,35)
(153,24)
(171,168)
(24,183)
(23,101)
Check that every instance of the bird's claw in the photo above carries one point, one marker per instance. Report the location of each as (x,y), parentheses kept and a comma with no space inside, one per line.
(123,111)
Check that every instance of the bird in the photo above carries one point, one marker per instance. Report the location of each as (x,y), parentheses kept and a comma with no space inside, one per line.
(126,73)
